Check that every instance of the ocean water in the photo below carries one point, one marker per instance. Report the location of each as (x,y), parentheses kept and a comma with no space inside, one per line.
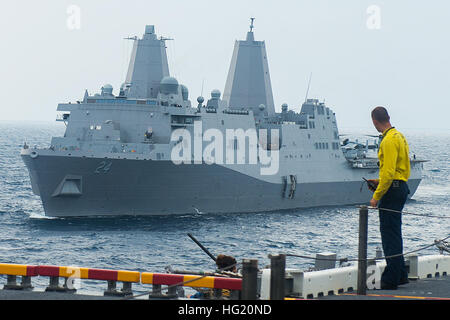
(154,243)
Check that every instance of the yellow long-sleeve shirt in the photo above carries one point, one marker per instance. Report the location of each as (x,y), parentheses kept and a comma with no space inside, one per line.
(394,161)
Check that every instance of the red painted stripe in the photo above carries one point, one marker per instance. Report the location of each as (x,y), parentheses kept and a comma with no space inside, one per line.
(102,274)
(32,271)
(228,283)
(167,279)
(49,271)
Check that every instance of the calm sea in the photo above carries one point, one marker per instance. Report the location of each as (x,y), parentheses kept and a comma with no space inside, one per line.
(153,243)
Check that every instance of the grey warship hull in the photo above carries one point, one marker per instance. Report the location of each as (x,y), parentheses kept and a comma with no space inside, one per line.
(160,188)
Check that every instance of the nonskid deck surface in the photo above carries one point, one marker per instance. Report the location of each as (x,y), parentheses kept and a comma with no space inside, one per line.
(423,289)
(42,295)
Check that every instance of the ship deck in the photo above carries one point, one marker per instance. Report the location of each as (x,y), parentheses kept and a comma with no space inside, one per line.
(423,289)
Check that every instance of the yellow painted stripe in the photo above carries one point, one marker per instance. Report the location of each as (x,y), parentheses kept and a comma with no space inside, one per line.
(408,297)
(128,276)
(205,282)
(147,277)
(13,269)
(400,297)
(74,272)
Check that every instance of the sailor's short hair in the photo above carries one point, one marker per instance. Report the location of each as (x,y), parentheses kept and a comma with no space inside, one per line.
(226,263)
(380,114)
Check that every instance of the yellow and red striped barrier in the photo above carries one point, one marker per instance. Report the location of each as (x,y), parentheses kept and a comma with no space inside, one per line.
(18,270)
(13,270)
(89,273)
(190,281)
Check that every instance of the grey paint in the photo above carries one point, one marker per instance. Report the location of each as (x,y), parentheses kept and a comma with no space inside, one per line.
(248,83)
(148,65)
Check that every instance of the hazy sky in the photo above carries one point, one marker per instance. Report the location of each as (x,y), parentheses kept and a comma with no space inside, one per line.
(361,53)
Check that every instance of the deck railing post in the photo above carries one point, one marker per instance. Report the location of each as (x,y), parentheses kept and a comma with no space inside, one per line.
(54,284)
(111,289)
(156,289)
(277,276)
(362,250)
(249,279)
(11,282)
(172,290)
(26,282)
(127,288)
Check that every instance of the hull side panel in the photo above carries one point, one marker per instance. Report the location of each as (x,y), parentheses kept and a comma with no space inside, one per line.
(145,187)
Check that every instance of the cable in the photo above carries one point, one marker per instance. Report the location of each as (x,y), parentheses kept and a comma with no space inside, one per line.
(409,213)
(181,283)
(371,259)
(298,256)
(436,242)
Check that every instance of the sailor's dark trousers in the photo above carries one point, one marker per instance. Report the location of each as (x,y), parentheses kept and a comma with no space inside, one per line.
(391,232)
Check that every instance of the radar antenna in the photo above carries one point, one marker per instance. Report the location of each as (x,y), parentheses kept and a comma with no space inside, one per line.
(309,84)
(203,83)
(251,24)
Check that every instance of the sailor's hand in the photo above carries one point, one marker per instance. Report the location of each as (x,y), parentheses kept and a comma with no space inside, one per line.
(372,184)
(373,203)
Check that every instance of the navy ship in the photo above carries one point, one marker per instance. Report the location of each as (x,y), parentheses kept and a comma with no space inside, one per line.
(149,151)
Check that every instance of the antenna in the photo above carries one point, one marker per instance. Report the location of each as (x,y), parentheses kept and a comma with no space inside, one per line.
(203,82)
(309,84)
(251,25)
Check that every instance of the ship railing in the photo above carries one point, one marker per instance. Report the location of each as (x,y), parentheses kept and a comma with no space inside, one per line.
(365,163)
(232,111)
(12,271)
(174,281)
(127,278)
(211,110)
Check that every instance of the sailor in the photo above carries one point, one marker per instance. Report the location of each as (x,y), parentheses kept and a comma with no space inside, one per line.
(225,265)
(391,193)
